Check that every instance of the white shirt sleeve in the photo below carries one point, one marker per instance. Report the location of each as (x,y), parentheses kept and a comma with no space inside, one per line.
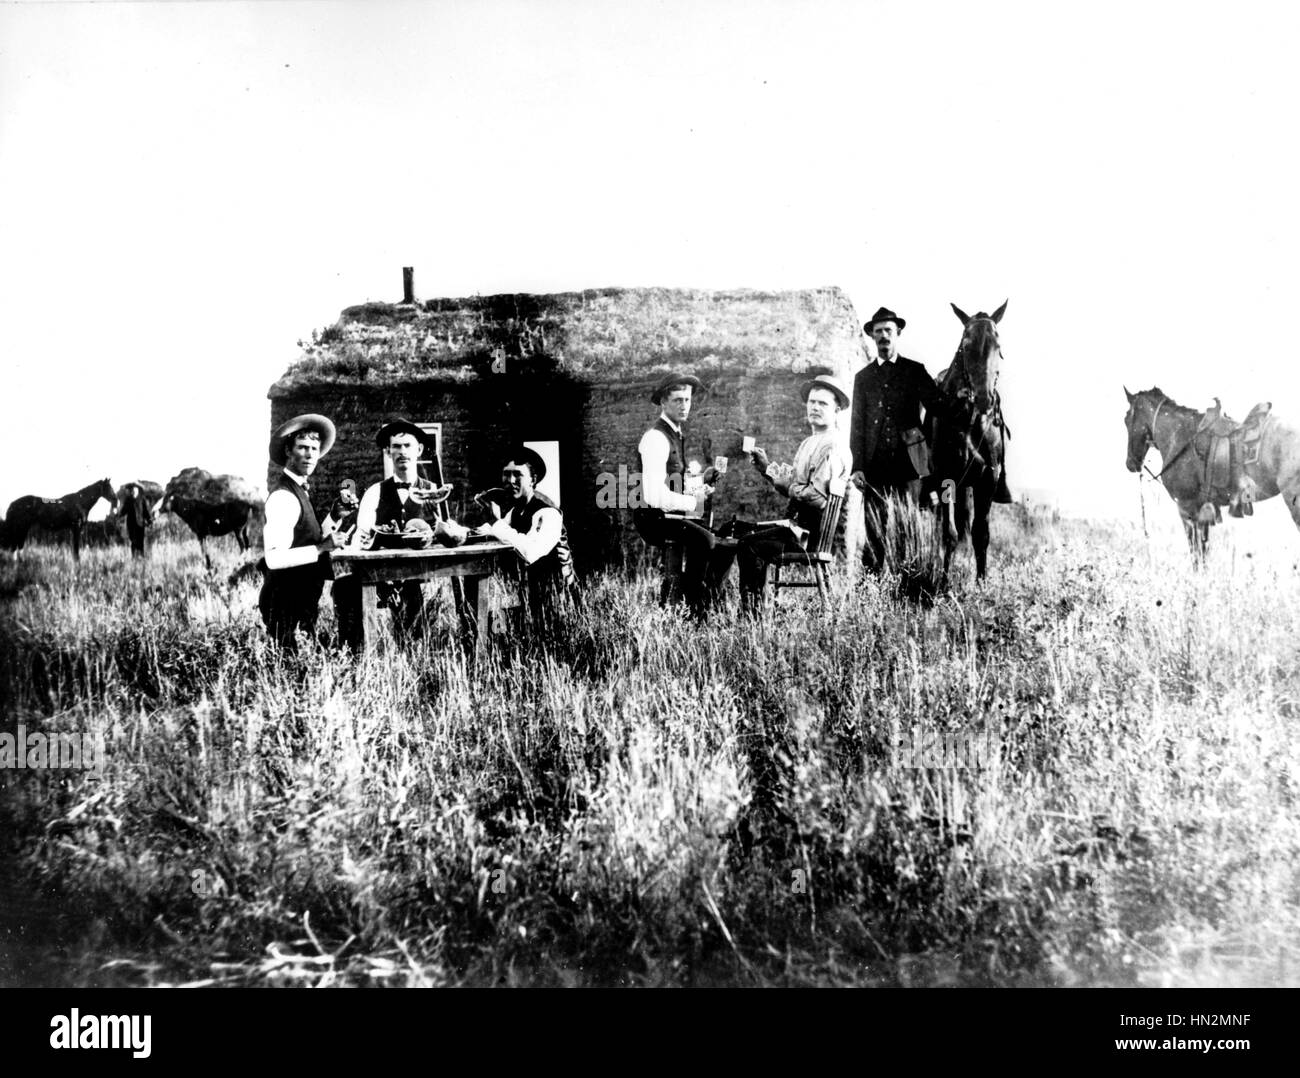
(282,515)
(538,541)
(367,511)
(654,449)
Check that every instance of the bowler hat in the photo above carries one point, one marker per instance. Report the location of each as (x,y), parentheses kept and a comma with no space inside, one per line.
(399,425)
(827,381)
(523,455)
(884,314)
(676,379)
(309,421)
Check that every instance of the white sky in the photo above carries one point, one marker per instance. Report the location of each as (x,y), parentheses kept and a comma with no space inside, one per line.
(187,189)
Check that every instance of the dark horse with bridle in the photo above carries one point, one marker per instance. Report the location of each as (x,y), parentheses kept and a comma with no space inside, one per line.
(967,437)
(54,514)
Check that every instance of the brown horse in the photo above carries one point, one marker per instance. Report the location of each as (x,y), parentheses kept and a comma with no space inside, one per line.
(54,514)
(1155,419)
(967,434)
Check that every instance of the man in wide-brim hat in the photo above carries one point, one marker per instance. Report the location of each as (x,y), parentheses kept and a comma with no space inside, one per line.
(819,472)
(293,538)
(668,515)
(889,450)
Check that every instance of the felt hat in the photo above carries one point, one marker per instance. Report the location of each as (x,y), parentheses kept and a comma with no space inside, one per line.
(676,379)
(399,425)
(308,421)
(523,455)
(827,381)
(884,314)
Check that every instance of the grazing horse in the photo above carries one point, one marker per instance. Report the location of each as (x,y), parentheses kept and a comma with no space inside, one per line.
(212,505)
(1155,419)
(967,436)
(55,514)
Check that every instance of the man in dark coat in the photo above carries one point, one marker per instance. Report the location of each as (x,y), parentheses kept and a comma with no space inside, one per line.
(886,437)
(136,509)
(293,538)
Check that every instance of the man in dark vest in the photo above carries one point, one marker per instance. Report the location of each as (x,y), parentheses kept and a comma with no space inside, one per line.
(669,515)
(533,524)
(293,539)
(886,438)
(392,505)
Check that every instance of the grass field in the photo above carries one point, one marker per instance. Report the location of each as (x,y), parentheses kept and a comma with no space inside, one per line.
(1108,748)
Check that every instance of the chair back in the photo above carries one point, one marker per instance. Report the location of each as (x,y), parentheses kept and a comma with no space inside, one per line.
(825,541)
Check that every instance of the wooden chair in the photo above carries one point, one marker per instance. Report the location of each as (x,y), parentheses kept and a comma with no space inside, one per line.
(820,553)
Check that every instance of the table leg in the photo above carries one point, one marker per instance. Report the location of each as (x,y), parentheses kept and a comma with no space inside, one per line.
(369,619)
(476,613)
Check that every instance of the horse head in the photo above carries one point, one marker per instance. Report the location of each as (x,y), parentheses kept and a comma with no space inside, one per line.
(1140,424)
(978,361)
(104,488)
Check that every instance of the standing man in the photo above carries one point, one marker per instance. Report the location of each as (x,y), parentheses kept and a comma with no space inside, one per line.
(669,515)
(294,541)
(821,460)
(890,454)
(533,524)
(392,504)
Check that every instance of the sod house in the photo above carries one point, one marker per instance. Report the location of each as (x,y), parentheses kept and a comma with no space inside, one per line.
(575,369)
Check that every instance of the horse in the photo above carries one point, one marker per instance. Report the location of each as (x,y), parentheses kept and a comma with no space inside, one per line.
(967,436)
(55,514)
(212,505)
(1155,419)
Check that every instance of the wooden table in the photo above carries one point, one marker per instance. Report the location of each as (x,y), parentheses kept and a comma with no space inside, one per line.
(469,563)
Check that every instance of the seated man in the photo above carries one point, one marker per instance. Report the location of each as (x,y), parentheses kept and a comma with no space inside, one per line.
(666,516)
(822,458)
(390,506)
(532,524)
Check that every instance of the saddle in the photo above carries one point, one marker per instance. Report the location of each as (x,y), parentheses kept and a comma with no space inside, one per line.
(1225,449)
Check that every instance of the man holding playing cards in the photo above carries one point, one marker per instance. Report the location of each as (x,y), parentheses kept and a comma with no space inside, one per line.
(671,516)
(821,460)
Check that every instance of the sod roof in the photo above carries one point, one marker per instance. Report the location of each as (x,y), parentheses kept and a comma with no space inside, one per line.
(600,335)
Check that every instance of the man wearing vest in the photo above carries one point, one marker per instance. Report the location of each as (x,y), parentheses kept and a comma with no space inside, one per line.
(820,462)
(293,540)
(392,504)
(665,515)
(532,524)
(890,454)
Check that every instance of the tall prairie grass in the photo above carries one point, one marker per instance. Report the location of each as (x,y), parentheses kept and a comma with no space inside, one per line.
(648,802)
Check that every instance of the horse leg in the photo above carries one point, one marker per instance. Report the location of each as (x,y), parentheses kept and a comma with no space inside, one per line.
(76,542)
(979,531)
(203,546)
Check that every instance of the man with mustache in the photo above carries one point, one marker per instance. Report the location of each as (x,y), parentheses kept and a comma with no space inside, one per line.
(890,453)
(392,505)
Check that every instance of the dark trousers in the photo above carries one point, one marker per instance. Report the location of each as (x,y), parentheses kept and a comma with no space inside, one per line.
(707,557)
(759,550)
(287,606)
(885,476)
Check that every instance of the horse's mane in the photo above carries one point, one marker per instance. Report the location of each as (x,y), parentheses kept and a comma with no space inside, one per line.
(1170,404)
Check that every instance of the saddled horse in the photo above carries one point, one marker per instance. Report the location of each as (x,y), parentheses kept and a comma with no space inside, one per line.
(54,514)
(1156,419)
(967,436)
